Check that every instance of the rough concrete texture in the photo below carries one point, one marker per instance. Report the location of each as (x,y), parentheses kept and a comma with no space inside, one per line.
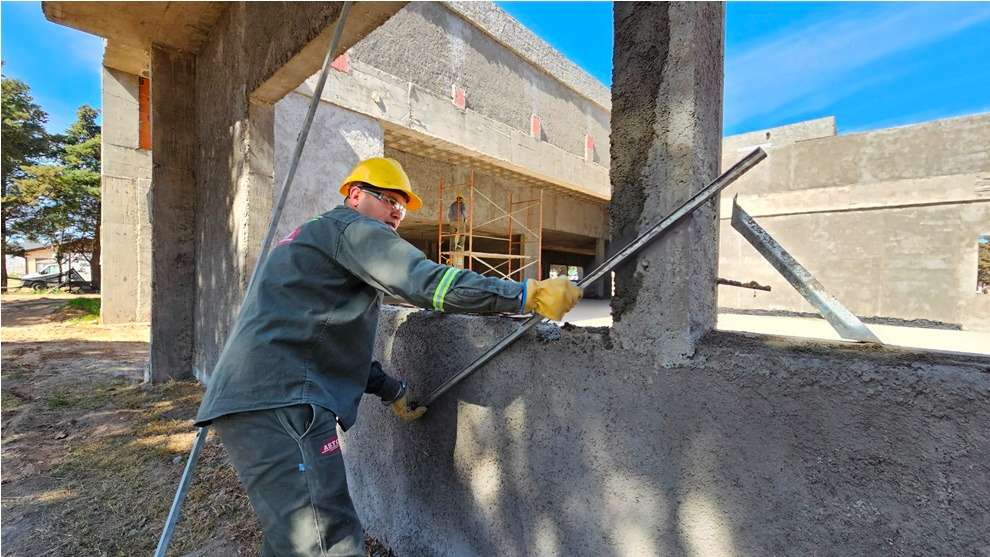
(433,47)
(741,144)
(515,36)
(758,445)
(173,200)
(419,120)
(666,135)
(252,45)
(125,184)
(886,220)
(337,141)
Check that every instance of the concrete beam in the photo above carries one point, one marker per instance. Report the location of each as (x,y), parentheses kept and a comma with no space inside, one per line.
(422,121)
(666,145)
(173,209)
(181,26)
(364,17)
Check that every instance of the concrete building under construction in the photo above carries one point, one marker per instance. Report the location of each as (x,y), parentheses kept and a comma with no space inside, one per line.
(656,436)
(482,100)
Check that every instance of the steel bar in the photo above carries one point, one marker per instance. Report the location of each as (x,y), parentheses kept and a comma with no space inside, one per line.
(842,320)
(180,494)
(753,285)
(689,206)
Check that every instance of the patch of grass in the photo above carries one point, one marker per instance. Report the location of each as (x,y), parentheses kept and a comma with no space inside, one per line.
(89,305)
(81,310)
(10,400)
(123,482)
(60,399)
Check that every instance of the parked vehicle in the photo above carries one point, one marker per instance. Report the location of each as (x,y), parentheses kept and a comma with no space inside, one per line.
(49,278)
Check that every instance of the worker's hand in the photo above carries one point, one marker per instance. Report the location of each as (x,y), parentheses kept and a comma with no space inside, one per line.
(551,298)
(404,412)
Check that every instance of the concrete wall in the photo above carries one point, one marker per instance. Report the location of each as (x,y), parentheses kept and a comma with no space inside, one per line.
(125,184)
(403,74)
(337,141)
(255,54)
(567,444)
(435,47)
(886,220)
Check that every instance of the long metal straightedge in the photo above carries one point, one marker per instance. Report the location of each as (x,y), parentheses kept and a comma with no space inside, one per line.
(842,320)
(180,494)
(689,206)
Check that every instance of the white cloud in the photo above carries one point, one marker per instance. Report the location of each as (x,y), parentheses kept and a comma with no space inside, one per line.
(811,66)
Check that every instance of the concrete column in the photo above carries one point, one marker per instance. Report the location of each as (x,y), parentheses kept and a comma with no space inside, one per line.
(173,217)
(666,144)
(259,179)
(602,288)
(125,180)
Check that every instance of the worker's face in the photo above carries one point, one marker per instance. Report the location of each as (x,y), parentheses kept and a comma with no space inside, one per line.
(389,209)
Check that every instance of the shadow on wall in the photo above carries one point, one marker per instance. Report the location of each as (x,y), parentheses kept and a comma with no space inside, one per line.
(760,445)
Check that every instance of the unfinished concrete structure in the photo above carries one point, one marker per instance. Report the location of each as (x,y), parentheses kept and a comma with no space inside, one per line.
(581,441)
(448,89)
(462,93)
(888,220)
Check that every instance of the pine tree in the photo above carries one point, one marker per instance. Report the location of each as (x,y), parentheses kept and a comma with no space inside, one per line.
(25,142)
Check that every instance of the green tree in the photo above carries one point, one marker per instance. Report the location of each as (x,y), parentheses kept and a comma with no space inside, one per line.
(65,195)
(24,142)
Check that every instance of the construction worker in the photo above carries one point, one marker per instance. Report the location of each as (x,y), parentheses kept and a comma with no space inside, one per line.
(300,355)
(457,215)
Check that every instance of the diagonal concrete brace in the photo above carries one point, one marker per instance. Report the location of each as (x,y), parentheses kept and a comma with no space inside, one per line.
(842,320)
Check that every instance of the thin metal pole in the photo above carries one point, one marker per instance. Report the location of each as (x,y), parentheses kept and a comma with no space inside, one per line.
(510,233)
(697,200)
(539,240)
(180,494)
(440,226)
(471,223)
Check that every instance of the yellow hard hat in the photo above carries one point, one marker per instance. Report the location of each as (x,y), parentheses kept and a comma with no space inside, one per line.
(383,173)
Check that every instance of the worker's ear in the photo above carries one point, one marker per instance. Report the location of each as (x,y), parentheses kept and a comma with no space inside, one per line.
(352,194)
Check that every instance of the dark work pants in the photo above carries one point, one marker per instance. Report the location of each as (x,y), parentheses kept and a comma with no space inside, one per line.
(289,461)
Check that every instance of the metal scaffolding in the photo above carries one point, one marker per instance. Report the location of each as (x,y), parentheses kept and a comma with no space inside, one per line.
(520,253)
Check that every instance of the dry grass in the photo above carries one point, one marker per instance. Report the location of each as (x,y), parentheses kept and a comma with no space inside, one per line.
(92,456)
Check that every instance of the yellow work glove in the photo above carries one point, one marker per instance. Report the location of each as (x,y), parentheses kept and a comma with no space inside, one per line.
(406,414)
(551,298)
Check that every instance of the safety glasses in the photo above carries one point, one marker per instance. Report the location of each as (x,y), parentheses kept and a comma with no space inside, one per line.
(398,206)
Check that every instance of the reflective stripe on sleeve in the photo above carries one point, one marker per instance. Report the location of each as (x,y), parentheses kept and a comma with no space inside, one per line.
(443,287)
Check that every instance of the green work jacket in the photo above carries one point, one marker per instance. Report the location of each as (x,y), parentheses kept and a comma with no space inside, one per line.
(307,327)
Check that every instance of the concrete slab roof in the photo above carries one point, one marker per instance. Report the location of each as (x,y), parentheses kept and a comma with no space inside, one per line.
(131,27)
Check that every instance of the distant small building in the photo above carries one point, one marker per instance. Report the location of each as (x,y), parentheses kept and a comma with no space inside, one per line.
(39,258)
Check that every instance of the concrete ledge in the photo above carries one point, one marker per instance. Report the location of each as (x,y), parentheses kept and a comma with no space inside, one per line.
(437,123)
(936,190)
(758,445)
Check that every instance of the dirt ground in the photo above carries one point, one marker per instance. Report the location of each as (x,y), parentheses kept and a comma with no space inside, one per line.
(91,455)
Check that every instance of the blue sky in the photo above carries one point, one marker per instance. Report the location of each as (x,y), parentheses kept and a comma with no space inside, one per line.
(871,65)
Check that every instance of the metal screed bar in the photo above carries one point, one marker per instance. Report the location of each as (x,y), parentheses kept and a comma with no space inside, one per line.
(697,200)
